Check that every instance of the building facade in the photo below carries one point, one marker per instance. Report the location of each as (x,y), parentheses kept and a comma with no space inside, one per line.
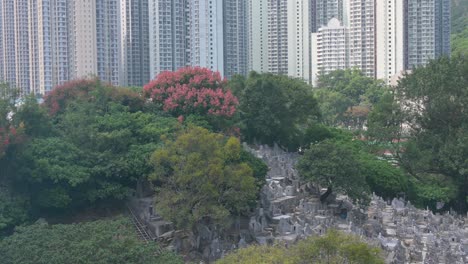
(134,36)
(331,50)
(257,16)
(168,35)
(298,42)
(362,36)
(206,27)
(48,44)
(428,30)
(235,37)
(390,38)
(278,36)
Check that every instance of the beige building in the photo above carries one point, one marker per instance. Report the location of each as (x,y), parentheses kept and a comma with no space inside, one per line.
(298,41)
(82,37)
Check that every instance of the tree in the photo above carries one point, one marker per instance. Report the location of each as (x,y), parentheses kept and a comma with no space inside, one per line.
(90,91)
(276,109)
(334,247)
(384,120)
(192,90)
(346,97)
(8,132)
(200,176)
(434,100)
(335,166)
(105,241)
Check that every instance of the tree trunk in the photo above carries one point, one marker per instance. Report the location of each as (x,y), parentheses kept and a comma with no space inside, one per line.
(324,196)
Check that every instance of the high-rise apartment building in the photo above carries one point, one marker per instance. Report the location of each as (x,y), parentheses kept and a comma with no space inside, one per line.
(8,51)
(48,44)
(362,34)
(94,35)
(108,41)
(20,15)
(322,11)
(278,36)
(206,27)
(134,34)
(390,38)
(257,16)
(235,37)
(428,30)
(82,38)
(331,49)
(298,41)
(168,35)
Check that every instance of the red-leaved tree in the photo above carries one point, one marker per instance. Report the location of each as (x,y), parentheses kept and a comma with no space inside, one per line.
(87,90)
(7,136)
(192,90)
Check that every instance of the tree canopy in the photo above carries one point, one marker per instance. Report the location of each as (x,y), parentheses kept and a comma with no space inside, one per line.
(434,107)
(201,176)
(346,97)
(105,241)
(275,109)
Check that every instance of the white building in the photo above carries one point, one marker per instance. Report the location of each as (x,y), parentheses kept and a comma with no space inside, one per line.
(330,50)
(206,27)
(390,40)
(362,36)
(298,42)
(258,35)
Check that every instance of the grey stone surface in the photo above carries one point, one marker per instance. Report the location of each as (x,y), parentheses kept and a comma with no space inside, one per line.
(290,210)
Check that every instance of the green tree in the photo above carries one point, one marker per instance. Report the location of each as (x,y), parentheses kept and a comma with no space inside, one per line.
(105,241)
(434,100)
(346,97)
(336,166)
(384,120)
(200,176)
(275,109)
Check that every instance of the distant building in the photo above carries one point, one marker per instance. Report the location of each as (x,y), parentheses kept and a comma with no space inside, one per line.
(390,38)
(257,16)
(235,40)
(94,39)
(168,35)
(331,49)
(298,41)
(362,36)
(324,10)
(48,44)
(428,30)
(278,36)
(134,36)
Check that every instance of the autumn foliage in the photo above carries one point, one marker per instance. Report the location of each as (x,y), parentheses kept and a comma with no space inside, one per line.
(86,89)
(192,90)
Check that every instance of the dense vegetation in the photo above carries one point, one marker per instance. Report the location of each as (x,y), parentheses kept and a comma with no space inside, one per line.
(105,241)
(334,247)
